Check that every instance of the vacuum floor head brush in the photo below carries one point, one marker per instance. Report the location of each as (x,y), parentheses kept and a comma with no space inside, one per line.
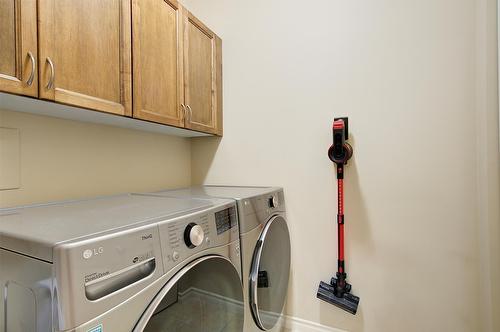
(338,291)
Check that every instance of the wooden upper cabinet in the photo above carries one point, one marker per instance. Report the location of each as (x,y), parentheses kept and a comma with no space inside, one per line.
(157,50)
(18,47)
(79,52)
(202,77)
(85,53)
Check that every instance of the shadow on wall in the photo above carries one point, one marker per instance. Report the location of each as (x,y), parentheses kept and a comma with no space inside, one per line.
(205,153)
(358,244)
(358,229)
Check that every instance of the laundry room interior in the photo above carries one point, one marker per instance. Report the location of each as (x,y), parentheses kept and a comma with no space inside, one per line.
(238,166)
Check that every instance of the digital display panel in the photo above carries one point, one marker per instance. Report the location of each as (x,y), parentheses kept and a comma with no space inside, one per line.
(225,220)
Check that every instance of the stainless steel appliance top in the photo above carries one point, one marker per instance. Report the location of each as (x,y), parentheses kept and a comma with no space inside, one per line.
(235,192)
(36,230)
(255,204)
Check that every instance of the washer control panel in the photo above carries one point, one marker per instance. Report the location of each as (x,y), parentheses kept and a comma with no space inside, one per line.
(104,271)
(187,235)
(226,219)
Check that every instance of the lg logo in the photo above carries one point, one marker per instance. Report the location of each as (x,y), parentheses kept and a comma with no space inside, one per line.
(146,237)
(92,252)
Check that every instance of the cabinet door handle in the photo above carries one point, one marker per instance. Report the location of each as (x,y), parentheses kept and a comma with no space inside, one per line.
(184,110)
(50,84)
(190,112)
(33,68)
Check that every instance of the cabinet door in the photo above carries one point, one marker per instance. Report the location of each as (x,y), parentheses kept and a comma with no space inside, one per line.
(156,62)
(85,53)
(18,47)
(202,77)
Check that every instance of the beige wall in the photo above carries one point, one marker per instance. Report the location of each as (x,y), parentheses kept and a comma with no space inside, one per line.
(408,76)
(61,159)
(418,82)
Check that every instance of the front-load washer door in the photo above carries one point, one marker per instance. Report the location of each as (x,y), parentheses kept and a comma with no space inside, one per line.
(269,273)
(205,296)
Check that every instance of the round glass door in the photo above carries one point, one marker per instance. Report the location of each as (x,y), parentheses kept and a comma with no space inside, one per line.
(205,296)
(269,273)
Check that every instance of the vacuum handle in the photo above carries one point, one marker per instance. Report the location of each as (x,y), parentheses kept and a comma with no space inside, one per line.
(340,151)
(338,140)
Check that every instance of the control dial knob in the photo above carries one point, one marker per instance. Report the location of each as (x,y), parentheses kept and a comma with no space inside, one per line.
(193,235)
(273,202)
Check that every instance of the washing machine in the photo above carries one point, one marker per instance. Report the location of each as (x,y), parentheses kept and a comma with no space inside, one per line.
(122,263)
(265,249)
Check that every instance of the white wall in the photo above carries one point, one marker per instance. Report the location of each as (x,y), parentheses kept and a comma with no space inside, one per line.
(61,159)
(407,75)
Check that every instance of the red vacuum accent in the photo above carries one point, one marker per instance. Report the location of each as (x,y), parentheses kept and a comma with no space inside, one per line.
(340,220)
(338,124)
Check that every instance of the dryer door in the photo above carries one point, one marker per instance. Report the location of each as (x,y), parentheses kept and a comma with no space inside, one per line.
(269,273)
(206,295)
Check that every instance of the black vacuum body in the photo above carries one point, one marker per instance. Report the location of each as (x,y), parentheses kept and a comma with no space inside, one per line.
(338,291)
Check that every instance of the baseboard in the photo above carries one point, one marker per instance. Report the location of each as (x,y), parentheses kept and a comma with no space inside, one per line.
(294,324)
(212,296)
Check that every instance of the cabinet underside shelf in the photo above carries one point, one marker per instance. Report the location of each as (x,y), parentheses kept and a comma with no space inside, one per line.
(10,102)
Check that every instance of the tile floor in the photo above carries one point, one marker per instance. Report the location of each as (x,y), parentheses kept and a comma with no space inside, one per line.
(197,312)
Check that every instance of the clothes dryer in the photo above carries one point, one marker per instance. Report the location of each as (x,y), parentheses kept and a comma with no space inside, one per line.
(265,249)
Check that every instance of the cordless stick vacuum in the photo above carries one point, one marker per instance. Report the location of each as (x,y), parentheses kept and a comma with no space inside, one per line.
(338,291)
